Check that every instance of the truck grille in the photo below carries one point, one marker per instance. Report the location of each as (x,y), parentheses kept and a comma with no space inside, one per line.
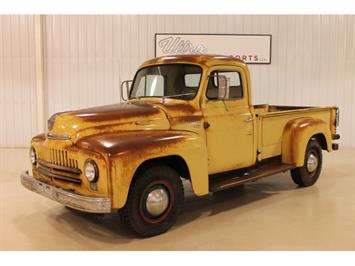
(58,165)
(60,157)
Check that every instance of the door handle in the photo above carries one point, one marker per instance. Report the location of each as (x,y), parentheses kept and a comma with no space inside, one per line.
(249,119)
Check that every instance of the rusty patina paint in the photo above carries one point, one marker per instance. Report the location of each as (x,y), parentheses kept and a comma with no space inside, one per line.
(117,144)
(183,108)
(116,117)
(126,150)
(191,123)
(115,111)
(120,137)
(188,119)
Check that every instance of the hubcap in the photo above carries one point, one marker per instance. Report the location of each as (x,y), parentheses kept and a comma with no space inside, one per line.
(157,202)
(312,163)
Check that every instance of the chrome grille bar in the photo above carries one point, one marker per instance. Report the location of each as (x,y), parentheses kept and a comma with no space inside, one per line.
(60,158)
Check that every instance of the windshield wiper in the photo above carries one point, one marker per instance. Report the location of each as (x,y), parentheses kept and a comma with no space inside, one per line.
(163,97)
(178,95)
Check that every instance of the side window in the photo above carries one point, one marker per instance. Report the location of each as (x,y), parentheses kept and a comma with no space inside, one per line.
(234,81)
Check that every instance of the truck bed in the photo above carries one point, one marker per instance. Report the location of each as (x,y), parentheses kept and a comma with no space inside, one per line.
(271,121)
(266,108)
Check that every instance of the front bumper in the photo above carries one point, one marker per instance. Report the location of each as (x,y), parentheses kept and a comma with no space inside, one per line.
(70,199)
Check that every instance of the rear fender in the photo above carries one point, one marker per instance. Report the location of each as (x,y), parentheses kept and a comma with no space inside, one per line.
(296,136)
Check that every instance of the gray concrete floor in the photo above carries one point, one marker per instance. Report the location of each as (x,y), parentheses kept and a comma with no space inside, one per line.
(270,214)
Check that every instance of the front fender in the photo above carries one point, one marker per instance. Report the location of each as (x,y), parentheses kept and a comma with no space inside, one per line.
(126,151)
(296,136)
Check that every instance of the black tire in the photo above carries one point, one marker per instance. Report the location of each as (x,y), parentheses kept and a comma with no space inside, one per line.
(135,214)
(302,176)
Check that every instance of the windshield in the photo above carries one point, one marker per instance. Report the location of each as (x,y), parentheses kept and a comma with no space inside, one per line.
(168,81)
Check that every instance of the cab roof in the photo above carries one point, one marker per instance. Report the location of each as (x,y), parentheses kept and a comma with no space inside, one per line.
(201,59)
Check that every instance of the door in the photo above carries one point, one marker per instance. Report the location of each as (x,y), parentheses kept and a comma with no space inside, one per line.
(228,122)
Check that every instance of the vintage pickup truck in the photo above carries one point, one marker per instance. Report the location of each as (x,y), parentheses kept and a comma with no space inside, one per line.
(186,117)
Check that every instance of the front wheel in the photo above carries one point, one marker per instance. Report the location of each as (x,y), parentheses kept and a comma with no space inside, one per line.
(308,174)
(154,202)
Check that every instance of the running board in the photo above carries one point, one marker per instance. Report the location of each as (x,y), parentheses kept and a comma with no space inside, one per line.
(229,180)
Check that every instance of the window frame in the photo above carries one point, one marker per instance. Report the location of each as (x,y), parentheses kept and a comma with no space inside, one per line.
(226,99)
(157,65)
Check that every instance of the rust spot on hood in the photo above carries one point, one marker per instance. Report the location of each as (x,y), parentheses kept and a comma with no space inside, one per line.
(115,111)
(116,144)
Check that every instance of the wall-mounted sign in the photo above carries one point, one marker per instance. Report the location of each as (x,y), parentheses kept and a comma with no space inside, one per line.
(252,48)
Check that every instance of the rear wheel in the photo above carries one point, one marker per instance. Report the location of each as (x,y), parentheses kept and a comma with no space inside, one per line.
(155,200)
(308,174)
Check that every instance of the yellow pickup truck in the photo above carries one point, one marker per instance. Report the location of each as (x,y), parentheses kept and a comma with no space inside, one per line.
(184,117)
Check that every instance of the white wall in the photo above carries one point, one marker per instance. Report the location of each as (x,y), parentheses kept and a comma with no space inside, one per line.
(18,112)
(313,58)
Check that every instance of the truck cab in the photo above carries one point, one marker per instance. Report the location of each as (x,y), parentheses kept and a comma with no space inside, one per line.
(183,117)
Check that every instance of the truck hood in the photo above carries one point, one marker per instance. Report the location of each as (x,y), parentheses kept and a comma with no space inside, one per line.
(109,118)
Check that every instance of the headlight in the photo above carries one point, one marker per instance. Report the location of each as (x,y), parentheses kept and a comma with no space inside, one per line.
(33,156)
(91,171)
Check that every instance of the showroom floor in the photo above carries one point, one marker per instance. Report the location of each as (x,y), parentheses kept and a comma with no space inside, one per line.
(270,214)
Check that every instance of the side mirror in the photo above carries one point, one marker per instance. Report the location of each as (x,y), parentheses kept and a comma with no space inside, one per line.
(223,87)
(125,89)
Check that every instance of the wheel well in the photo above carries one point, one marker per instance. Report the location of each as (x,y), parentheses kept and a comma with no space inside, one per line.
(321,140)
(174,161)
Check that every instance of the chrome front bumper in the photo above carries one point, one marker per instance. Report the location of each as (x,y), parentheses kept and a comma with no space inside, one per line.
(70,199)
